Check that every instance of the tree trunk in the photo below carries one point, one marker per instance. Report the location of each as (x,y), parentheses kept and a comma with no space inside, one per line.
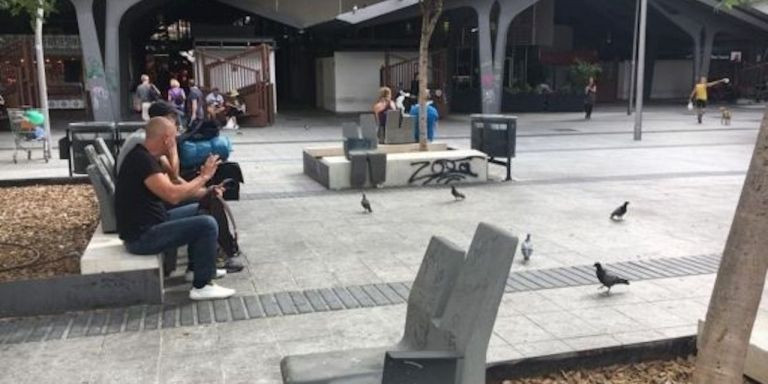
(740,280)
(431,10)
(42,85)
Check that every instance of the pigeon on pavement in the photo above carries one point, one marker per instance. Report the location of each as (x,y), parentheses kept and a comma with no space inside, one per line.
(618,213)
(456,194)
(366,204)
(608,279)
(527,248)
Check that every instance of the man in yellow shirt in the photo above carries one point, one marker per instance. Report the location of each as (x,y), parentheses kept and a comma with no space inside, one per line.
(699,95)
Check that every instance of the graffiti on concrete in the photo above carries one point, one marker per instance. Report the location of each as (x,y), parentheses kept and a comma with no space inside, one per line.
(443,171)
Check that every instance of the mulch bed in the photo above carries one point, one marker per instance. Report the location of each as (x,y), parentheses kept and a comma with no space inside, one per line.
(44,230)
(678,371)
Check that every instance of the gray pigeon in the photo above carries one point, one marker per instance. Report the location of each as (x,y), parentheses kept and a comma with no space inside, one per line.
(456,194)
(366,204)
(618,213)
(527,248)
(608,279)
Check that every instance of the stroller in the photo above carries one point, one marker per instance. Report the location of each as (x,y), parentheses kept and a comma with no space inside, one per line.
(26,135)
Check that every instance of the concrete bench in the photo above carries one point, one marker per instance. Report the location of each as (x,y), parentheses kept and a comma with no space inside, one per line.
(451,311)
(406,166)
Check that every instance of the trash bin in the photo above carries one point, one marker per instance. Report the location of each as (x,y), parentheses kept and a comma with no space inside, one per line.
(496,136)
(81,135)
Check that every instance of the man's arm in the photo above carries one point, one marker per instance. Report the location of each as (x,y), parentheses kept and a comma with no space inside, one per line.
(725,80)
(160,184)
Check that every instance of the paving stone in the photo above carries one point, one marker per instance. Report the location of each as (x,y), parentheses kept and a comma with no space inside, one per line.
(678,270)
(133,319)
(237,310)
(41,330)
(513,282)
(6,328)
(253,307)
(543,278)
(116,319)
(574,277)
(169,316)
(269,303)
(79,325)
(204,315)
(692,266)
(285,303)
(625,271)
(648,270)
(389,293)
(378,298)
(402,290)
(329,297)
(316,301)
(301,302)
(60,326)
(187,314)
(587,271)
(663,272)
(152,317)
(21,329)
(527,283)
(220,311)
(96,327)
(360,296)
(346,298)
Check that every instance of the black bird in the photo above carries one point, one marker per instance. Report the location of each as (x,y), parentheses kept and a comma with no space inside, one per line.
(607,279)
(456,194)
(618,213)
(366,204)
(527,248)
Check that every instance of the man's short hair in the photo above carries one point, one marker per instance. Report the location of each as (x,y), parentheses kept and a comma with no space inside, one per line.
(144,78)
(162,108)
(158,126)
(191,82)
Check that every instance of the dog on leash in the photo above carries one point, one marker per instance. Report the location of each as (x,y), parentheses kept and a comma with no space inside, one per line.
(725,116)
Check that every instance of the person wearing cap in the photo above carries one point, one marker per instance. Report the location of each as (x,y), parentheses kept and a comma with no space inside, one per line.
(147,227)
(235,108)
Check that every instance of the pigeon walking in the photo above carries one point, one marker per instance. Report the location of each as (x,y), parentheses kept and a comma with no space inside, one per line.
(608,279)
(456,194)
(366,204)
(618,213)
(527,248)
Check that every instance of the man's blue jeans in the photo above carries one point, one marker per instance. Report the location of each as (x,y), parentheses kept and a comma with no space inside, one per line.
(184,226)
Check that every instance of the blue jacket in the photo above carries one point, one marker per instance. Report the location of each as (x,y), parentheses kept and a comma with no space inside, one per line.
(432,117)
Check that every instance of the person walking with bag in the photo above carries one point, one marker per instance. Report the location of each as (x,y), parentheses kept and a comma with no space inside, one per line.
(147,94)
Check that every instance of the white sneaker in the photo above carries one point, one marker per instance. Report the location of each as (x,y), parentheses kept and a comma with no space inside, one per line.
(190,275)
(210,292)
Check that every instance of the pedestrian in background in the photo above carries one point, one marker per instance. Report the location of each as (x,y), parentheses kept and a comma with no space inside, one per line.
(590,96)
(147,94)
(178,98)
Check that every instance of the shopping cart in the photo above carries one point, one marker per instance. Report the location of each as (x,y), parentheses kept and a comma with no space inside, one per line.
(26,136)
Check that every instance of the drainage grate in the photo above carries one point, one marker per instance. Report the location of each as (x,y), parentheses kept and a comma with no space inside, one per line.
(150,317)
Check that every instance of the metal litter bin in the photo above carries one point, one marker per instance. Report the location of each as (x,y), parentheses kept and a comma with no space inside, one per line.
(496,136)
(80,135)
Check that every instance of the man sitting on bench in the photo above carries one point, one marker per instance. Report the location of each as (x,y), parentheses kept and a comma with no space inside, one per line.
(143,223)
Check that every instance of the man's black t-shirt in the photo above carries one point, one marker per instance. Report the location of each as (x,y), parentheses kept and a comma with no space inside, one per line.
(136,207)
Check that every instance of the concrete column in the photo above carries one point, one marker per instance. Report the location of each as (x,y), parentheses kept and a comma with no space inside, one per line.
(492,60)
(95,81)
(689,25)
(115,11)
(709,41)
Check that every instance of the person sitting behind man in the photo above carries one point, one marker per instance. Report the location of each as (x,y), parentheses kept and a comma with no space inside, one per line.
(432,117)
(144,224)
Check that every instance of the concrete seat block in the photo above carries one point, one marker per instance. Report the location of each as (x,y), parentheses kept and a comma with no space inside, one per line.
(414,168)
(362,365)
(106,253)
